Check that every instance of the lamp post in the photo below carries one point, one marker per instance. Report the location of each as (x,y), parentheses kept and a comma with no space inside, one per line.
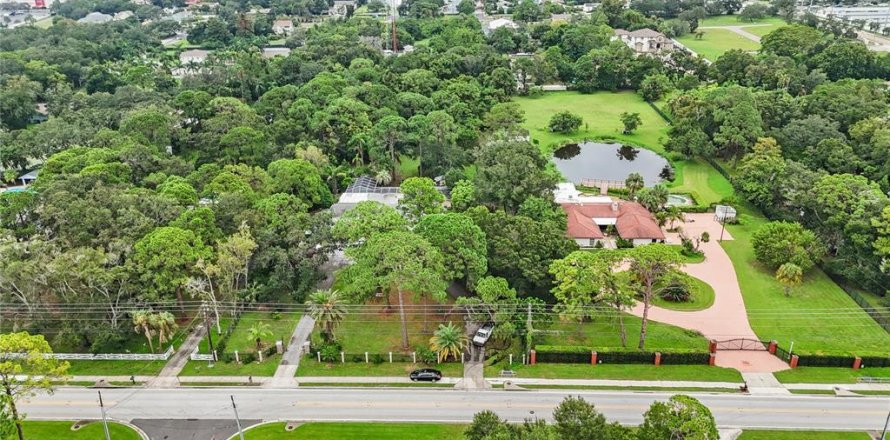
(886,424)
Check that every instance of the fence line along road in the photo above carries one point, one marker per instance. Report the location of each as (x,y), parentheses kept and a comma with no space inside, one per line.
(98,356)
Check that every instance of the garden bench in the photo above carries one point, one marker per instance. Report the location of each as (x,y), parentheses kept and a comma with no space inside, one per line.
(507,373)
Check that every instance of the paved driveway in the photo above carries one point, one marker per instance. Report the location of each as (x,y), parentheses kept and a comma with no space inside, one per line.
(727,318)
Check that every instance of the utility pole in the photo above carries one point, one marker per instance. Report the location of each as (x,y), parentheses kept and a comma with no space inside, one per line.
(237,421)
(207,325)
(104,419)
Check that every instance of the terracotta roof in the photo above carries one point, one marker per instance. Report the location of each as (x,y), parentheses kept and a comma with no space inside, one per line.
(635,221)
(632,220)
(580,225)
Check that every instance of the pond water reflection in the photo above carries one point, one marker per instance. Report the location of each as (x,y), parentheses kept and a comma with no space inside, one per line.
(593,160)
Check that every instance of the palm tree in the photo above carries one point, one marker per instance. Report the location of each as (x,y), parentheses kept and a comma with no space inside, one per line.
(142,324)
(327,309)
(633,183)
(256,333)
(449,340)
(789,275)
(165,325)
(383,177)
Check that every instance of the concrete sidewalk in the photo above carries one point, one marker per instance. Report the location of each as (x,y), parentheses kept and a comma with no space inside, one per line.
(290,361)
(334,380)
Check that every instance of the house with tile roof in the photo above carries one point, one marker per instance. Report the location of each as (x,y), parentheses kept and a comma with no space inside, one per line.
(645,41)
(602,219)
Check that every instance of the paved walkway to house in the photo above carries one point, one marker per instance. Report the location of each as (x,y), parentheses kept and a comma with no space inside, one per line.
(727,318)
(740,30)
(168,377)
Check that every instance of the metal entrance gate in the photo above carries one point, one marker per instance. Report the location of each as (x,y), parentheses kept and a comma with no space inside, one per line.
(742,345)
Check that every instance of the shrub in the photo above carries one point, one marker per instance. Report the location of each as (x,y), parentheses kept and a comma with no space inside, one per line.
(565,122)
(425,355)
(777,243)
(330,352)
(377,359)
(677,289)
(621,243)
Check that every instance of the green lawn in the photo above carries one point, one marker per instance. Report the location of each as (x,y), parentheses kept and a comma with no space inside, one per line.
(600,112)
(702,298)
(603,333)
(311,367)
(761,31)
(829,375)
(802,435)
(377,330)
(702,373)
(809,317)
(280,325)
(733,20)
(203,368)
(115,368)
(365,431)
(35,430)
(715,42)
(701,180)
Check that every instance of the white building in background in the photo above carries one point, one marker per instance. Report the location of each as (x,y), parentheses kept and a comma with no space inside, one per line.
(877,14)
(645,41)
(283,27)
(502,22)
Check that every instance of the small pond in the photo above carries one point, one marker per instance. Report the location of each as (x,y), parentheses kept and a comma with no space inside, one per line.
(593,160)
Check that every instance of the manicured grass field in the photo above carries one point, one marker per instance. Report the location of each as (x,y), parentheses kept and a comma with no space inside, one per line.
(701,180)
(829,375)
(600,112)
(699,373)
(715,42)
(761,31)
(818,316)
(35,430)
(603,333)
(702,298)
(733,20)
(311,367)
(365,431)
(115,368)
(802,435)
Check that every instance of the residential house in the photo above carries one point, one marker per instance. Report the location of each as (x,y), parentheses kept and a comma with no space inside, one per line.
(96,18)
(283,27)
(272,52)
(123,15)
(193,56)
(342,8)
(645,41)
(364,189)
(590,218)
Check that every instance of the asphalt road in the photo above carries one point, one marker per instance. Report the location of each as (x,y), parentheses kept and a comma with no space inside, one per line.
(730,410)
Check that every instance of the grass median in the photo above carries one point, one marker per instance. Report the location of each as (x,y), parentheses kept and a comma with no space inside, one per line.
(697,373)
(35,430)
(365,431)
(829,375)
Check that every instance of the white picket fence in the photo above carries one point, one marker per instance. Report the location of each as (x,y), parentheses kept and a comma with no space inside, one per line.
(99,357)
(195,356)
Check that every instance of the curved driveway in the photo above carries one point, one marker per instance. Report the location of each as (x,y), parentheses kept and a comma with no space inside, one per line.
(727,317)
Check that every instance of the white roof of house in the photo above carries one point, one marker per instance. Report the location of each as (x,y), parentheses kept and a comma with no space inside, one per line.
(198,55)
(123,15)
(96,18)
(271,52)
(501,22)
